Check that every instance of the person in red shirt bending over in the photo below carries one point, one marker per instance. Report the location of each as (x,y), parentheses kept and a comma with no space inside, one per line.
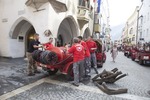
(87,57)
(49,45)
(78,61)
(92,48)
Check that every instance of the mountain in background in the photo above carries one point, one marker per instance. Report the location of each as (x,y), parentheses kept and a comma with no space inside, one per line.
(116,32)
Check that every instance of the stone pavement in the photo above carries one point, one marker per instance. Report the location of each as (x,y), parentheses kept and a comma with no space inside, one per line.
(13,74)
(57,88)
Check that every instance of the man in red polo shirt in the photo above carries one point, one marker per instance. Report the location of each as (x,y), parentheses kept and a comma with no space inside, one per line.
(78,61)
(87,57)
(49,45)
(92,48)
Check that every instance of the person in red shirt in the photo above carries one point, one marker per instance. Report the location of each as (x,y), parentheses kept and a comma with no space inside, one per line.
(87,57)
(92,48)
(49,45)
(78,60)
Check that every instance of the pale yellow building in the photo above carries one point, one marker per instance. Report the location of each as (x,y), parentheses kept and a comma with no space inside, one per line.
(132,27)
(130,30)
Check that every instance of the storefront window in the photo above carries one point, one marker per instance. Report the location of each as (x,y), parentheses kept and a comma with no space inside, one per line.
(84,3)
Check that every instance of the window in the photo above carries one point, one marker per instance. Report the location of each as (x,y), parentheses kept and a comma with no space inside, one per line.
(148,16)
(142,20)
(131,31)
(84,3)
(20,38)
(140,34)
(147,33)
(130,40)
(133,38)
(143,33)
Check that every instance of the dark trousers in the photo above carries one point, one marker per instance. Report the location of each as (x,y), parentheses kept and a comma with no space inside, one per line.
(31,63)
(94,61)
(79,71)
(87,65)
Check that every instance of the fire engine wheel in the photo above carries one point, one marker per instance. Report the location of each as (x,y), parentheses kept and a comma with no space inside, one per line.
(48,57)
(132,59)
(100,65)
(141,62)
(104,61)
(70,76)
(124,54)
(36,55)
(52,72)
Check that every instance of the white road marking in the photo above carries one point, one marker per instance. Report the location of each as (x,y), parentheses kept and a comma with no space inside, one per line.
(81,87)
(20,90)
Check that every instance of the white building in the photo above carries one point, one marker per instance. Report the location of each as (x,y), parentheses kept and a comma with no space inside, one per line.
(104,22)
(143,22)
(20,19)
(104,14)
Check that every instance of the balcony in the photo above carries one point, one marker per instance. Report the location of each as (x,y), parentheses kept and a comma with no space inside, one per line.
(97,28)
(35,3)
(83,16)
(58,5)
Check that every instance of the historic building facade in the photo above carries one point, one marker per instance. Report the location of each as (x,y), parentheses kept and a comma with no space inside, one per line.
(20,19)
(143,22)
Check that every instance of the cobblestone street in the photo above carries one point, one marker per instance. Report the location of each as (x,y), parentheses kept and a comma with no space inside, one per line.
(43,87)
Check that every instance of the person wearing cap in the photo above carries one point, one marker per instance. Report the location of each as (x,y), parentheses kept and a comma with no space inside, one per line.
(87,57)
(92,48)
(78,61)
(49,45)
(33,45)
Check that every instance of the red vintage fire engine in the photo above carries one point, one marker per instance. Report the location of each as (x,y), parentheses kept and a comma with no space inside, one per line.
(142,54)
(100,54)
(57,58)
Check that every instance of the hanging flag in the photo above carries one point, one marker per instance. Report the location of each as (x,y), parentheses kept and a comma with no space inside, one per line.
(98,8)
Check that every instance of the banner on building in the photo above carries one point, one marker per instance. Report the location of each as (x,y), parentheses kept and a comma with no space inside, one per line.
(99,4)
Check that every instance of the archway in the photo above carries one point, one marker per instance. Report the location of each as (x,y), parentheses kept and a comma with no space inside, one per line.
(67,30)
(86,33)
(22,33)
(28,37)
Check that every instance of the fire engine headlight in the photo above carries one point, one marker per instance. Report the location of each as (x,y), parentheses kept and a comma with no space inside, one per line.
(146,57)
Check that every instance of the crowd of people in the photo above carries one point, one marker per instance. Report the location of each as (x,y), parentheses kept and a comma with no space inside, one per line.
(83,54)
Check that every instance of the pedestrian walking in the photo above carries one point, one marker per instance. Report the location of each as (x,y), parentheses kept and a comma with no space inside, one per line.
(114,52)
(92,48)
(78,61)
(87,63)
(33,45)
